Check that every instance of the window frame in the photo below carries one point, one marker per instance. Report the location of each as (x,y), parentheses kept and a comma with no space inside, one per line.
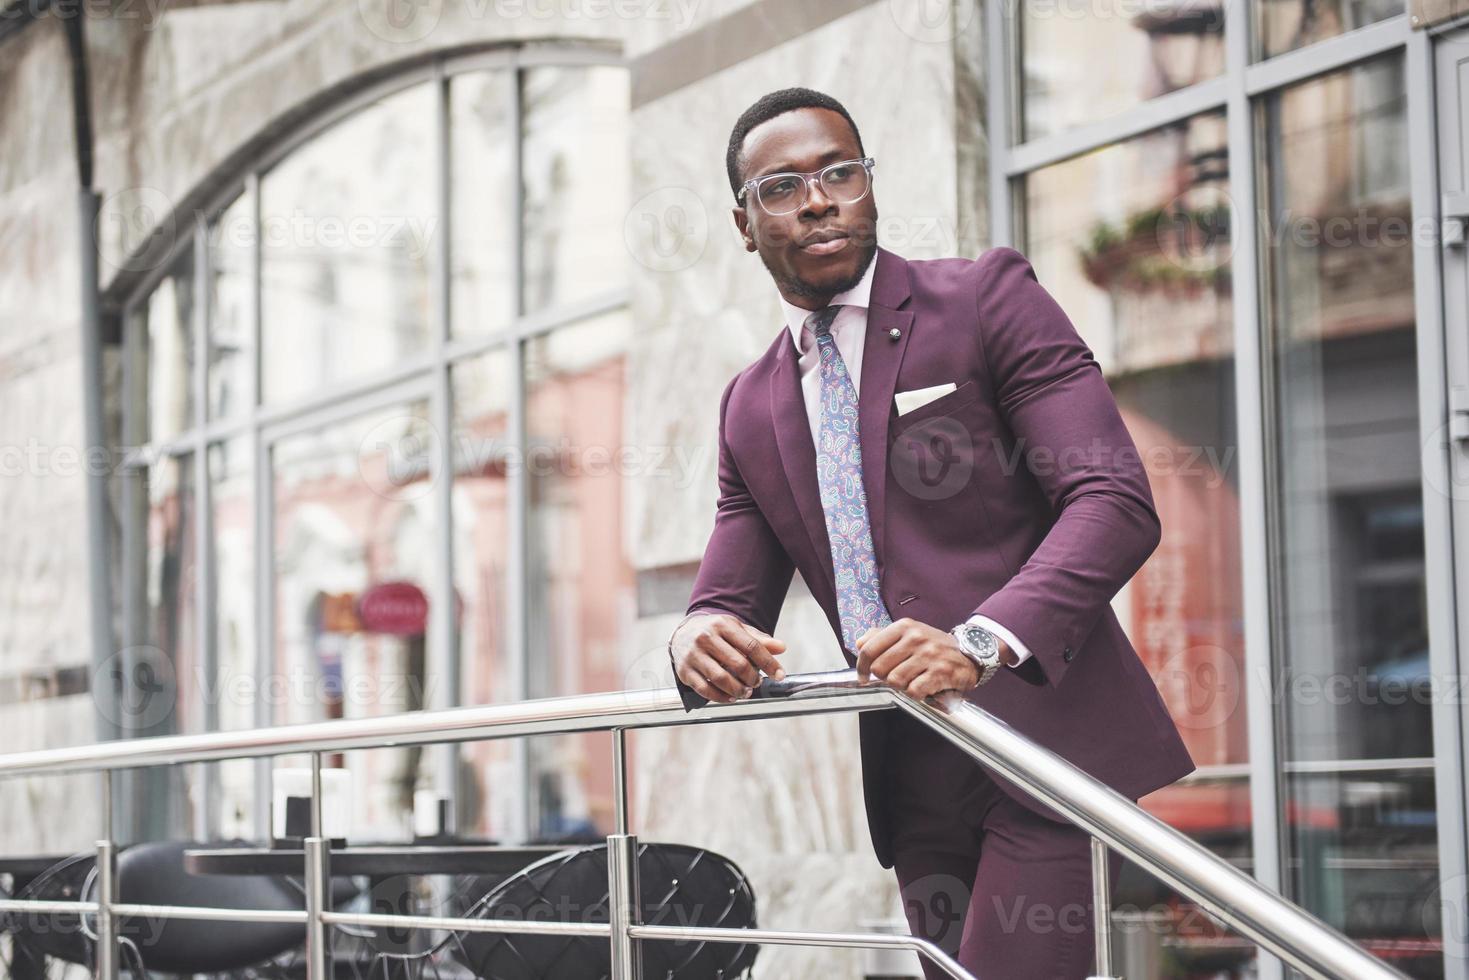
(261,426)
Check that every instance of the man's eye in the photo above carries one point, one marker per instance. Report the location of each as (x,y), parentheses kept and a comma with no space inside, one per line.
(839,174)
(785,185)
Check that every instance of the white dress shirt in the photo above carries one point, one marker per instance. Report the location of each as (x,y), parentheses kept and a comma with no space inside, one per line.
(849,329)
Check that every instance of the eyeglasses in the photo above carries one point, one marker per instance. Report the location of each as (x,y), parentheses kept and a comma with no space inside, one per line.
(845,182)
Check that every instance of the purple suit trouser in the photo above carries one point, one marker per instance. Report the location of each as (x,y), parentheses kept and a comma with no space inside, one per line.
(1006,892)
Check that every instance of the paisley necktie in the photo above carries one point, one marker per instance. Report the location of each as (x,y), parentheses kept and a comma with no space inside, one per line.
(843,496)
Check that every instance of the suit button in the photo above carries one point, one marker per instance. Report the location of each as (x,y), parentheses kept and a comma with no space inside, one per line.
(1066,655)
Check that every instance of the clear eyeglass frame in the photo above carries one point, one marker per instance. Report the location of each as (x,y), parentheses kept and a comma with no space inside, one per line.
(753,185)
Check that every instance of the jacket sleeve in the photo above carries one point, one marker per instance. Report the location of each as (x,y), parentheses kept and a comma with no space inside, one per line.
(1071,437)
(745,571)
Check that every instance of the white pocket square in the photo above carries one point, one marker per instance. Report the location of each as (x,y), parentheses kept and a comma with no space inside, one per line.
(909,400)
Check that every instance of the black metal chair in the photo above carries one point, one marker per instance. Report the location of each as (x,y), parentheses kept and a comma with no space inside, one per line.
(678,885)
(153,874)
(44,943)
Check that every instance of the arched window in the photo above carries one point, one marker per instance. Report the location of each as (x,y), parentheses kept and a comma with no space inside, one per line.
(366,398)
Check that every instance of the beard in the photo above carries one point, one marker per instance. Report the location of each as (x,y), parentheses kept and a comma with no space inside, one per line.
(796,286)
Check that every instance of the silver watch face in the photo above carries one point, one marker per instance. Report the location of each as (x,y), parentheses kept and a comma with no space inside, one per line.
(980,642)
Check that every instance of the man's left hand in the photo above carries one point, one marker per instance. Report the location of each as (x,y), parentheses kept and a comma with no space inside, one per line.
(915,658)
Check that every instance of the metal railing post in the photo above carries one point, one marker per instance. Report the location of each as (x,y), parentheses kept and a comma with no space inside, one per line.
(318,884)
(624,902)
(619,780)
(1101,911)
(107,947)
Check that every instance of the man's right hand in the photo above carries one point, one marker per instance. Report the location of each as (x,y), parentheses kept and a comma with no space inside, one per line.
(721,658)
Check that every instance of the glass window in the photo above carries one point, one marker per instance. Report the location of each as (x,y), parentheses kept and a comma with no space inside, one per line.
(574,179)
(169,336)
(346,250)
(483,221)
(353,577)
(1133,240)
(234,690)
(489,795)
(580,583)
(345,232)
(1085,62)
(231,314)
(1285,25)
(232,551)
(171,653)
(1348,542)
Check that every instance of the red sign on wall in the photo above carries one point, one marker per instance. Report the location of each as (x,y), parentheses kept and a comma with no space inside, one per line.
(396,608)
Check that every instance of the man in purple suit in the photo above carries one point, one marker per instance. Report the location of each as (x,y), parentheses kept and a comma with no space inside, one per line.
(934,447)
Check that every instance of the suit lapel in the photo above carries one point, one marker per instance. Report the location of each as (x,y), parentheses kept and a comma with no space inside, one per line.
(881,356)
(797,451)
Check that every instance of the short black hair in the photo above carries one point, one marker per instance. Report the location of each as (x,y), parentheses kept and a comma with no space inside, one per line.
(767,108)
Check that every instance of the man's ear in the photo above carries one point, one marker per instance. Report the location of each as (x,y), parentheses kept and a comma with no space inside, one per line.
(742,222)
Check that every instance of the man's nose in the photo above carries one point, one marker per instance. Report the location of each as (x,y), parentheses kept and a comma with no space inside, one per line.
(817,202)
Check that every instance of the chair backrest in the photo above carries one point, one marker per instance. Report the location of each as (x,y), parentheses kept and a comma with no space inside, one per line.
(678,885)
(62,936)
(154,874)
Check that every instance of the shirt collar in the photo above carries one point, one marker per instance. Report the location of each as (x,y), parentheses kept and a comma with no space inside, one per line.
(858,295)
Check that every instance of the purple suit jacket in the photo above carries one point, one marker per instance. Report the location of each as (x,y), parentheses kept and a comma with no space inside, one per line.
(1019,495)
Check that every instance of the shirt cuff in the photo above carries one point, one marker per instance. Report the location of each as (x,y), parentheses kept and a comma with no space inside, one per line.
(1021,651)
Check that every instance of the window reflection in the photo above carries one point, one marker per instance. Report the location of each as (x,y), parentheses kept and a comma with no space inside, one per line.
(231,328)
(163,695)
(346,249)
(580,585)
(483,222)
(169,335)
(489,793)
(1349,538)
(1285,25)
(1133,240)
(347,258)
(232,563)
(354,533)
(574,176)
(1085,62)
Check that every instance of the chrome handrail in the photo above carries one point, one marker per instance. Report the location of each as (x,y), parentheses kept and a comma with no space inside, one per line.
(1228,894)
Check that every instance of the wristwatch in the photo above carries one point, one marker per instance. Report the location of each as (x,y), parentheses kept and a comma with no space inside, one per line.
(980,646)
